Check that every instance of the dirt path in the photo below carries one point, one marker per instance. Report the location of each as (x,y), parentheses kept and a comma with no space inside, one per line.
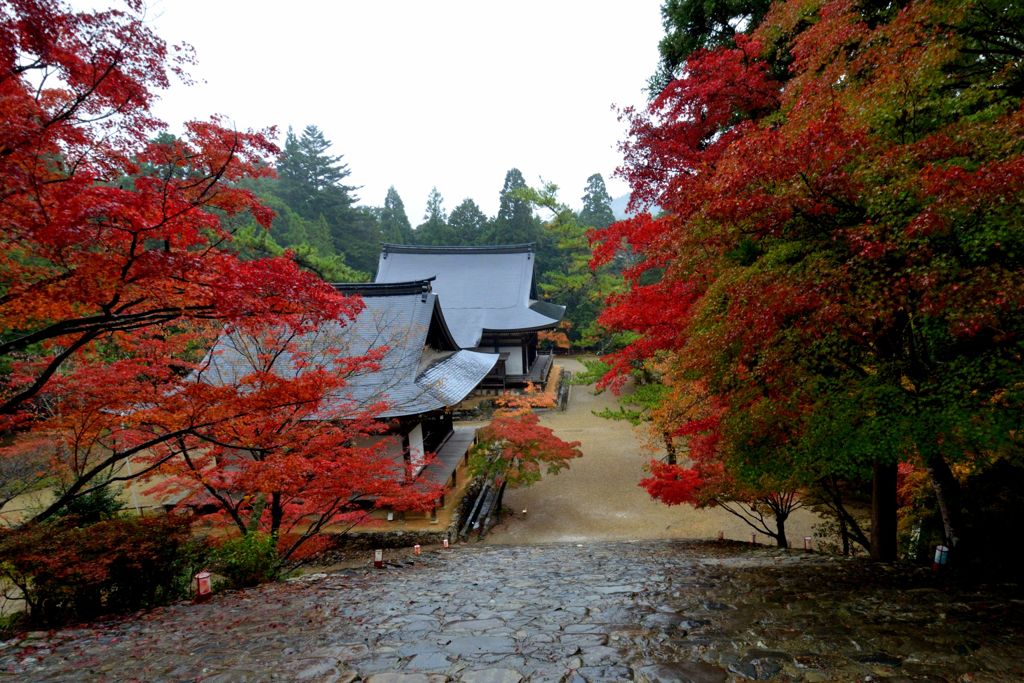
(598,497)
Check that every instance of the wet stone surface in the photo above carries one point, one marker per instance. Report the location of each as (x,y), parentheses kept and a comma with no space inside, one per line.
(646,611)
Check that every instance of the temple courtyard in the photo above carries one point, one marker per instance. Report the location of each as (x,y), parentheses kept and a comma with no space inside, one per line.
(588,580)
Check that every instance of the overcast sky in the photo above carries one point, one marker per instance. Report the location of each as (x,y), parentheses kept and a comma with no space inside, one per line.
(418,93)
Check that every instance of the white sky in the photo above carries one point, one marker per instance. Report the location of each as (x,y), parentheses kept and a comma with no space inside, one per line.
(414,94)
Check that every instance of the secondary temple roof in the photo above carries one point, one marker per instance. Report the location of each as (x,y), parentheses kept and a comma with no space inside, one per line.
(424,369)
(482,289)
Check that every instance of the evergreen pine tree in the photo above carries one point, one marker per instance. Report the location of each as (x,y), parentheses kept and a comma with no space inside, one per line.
(311,183)
(467,223)
(394,223)
(360,242)
(434,229)
(305,161)
(597,204)
(515,222)
(692,25)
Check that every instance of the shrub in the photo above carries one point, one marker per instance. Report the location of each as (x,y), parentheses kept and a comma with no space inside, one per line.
(247,560)
(93,507)
(194,556)
(67,572)
(10,624)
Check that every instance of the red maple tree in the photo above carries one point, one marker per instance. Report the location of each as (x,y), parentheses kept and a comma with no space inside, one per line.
(516,447)
(281,451)
(116,275)
(838,258)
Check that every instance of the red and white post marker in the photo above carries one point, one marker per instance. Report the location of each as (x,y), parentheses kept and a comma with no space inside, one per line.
(204,587)
(446,542)
(807,543)
(416,549)
(378,559)
(941,557)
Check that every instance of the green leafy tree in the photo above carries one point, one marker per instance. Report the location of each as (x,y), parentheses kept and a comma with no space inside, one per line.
(309,240)
(638,405)
(290,229)
(359,243)
(566,277)
(252,242)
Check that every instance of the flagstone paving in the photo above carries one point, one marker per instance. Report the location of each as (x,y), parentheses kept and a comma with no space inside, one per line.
(622,611)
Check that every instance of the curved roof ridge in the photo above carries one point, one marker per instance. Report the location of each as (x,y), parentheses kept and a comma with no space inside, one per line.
(525,247)
(385,288)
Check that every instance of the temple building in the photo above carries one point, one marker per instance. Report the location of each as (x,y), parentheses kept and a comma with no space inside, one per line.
(489,299)
(423,373)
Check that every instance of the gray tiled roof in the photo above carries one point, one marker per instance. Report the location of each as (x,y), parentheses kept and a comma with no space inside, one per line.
(422,369)
(481,288)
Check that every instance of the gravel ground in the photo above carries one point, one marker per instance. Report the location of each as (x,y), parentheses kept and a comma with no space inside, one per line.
(598,499)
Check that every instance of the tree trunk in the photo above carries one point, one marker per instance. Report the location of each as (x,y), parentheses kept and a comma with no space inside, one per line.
(849,529)
(883,512)
(276,513)
(780,528)
(670,447)
(947,494)
(844,535)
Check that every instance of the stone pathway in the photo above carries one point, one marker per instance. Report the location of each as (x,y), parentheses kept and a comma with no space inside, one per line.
(621,611)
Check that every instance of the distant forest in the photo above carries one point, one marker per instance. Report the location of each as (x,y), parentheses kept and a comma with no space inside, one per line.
(318,219)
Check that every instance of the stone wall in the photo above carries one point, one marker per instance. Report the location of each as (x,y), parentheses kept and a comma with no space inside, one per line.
(398,538)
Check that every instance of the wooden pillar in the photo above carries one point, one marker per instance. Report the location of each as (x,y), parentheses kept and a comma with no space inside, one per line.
(406,460)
